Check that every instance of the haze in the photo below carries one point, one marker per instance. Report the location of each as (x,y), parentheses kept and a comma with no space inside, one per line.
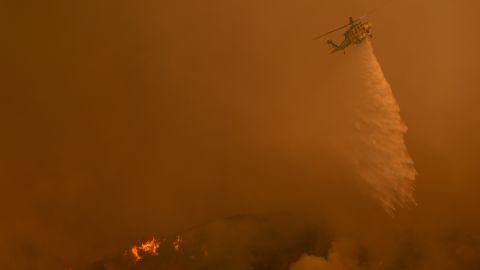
(125,119)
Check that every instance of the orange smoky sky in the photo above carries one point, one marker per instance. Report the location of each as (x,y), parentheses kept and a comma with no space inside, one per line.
(121,120)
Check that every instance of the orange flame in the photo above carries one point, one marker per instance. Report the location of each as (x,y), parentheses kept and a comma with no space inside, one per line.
(149,247)
(177,243)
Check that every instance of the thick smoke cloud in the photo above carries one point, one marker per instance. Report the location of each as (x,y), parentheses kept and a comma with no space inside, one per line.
(123,120)
(343,255)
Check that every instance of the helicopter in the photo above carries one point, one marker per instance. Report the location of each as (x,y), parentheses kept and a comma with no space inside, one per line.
(357,32)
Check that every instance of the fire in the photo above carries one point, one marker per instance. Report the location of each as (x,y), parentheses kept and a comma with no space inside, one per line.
(177,243)
(150,247)
(134,251)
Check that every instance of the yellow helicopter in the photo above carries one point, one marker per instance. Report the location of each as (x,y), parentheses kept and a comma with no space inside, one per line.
(356,33)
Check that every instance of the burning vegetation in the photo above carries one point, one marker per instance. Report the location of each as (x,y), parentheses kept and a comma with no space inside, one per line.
(151,248)
(147,248)
(177,243)
(260,243)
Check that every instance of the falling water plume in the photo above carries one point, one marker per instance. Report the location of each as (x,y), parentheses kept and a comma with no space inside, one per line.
(379,154)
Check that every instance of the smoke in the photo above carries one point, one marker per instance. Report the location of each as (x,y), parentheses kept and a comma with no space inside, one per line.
(378,152)
(126,120)
(343,255)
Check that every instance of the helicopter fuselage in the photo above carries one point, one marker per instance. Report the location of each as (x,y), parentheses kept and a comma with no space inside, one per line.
(357,32)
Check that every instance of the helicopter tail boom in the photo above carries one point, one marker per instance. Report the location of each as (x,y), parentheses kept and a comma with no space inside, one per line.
(336,47)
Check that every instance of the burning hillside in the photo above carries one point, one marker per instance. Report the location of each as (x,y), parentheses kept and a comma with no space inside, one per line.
(238,242)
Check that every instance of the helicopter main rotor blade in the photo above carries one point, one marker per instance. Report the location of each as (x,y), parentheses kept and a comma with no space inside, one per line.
(334,30)
(373,10)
